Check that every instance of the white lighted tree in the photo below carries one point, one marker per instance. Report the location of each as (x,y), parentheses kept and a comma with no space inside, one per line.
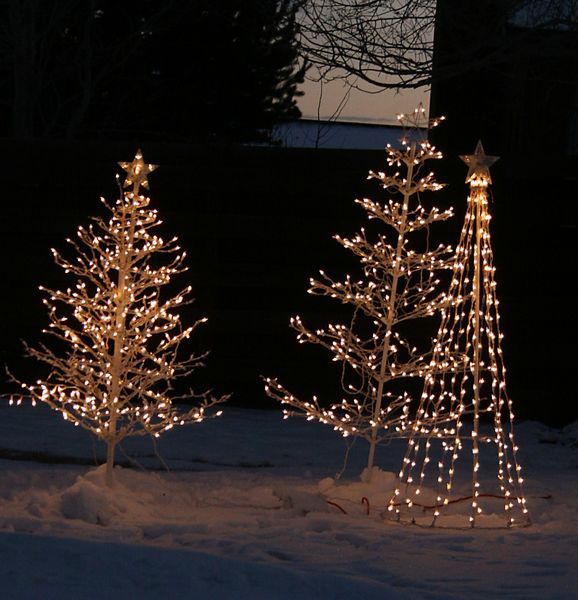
(119,333)
(396,285)
(465,417)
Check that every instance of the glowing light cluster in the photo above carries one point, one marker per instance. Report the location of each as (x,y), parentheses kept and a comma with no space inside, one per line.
(122,336)
(396,285)
(449,428)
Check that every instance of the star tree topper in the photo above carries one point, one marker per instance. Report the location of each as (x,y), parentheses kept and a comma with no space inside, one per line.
(479,164)
(137,172)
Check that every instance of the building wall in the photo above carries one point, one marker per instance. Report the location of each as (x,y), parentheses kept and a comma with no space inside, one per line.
(310,133)
(512,82)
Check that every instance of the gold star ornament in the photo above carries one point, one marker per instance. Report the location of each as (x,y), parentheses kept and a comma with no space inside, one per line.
(479,164)
(137,172)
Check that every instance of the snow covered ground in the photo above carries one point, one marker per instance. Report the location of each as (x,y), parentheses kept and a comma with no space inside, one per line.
(243,513)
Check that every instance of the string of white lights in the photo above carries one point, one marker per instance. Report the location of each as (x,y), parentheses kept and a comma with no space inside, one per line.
(397,285)
(121,336)
(469,406)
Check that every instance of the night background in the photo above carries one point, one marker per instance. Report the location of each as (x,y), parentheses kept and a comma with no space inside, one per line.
(199,88)
(222,96)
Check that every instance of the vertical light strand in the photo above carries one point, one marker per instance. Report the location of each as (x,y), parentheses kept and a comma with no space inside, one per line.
(454,402)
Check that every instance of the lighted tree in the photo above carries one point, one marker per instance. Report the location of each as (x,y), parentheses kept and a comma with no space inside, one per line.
(118,330)
(465,414)
(397,285)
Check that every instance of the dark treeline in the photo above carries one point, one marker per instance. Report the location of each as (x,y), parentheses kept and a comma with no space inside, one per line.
(145,69)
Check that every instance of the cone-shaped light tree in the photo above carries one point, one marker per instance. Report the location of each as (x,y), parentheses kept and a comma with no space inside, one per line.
(464,422)
(396,285)
(118,330)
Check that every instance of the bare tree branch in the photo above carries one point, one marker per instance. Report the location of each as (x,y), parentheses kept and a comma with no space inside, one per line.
(389,44)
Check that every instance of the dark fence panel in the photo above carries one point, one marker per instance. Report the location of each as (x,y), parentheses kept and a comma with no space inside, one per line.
(257,222)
